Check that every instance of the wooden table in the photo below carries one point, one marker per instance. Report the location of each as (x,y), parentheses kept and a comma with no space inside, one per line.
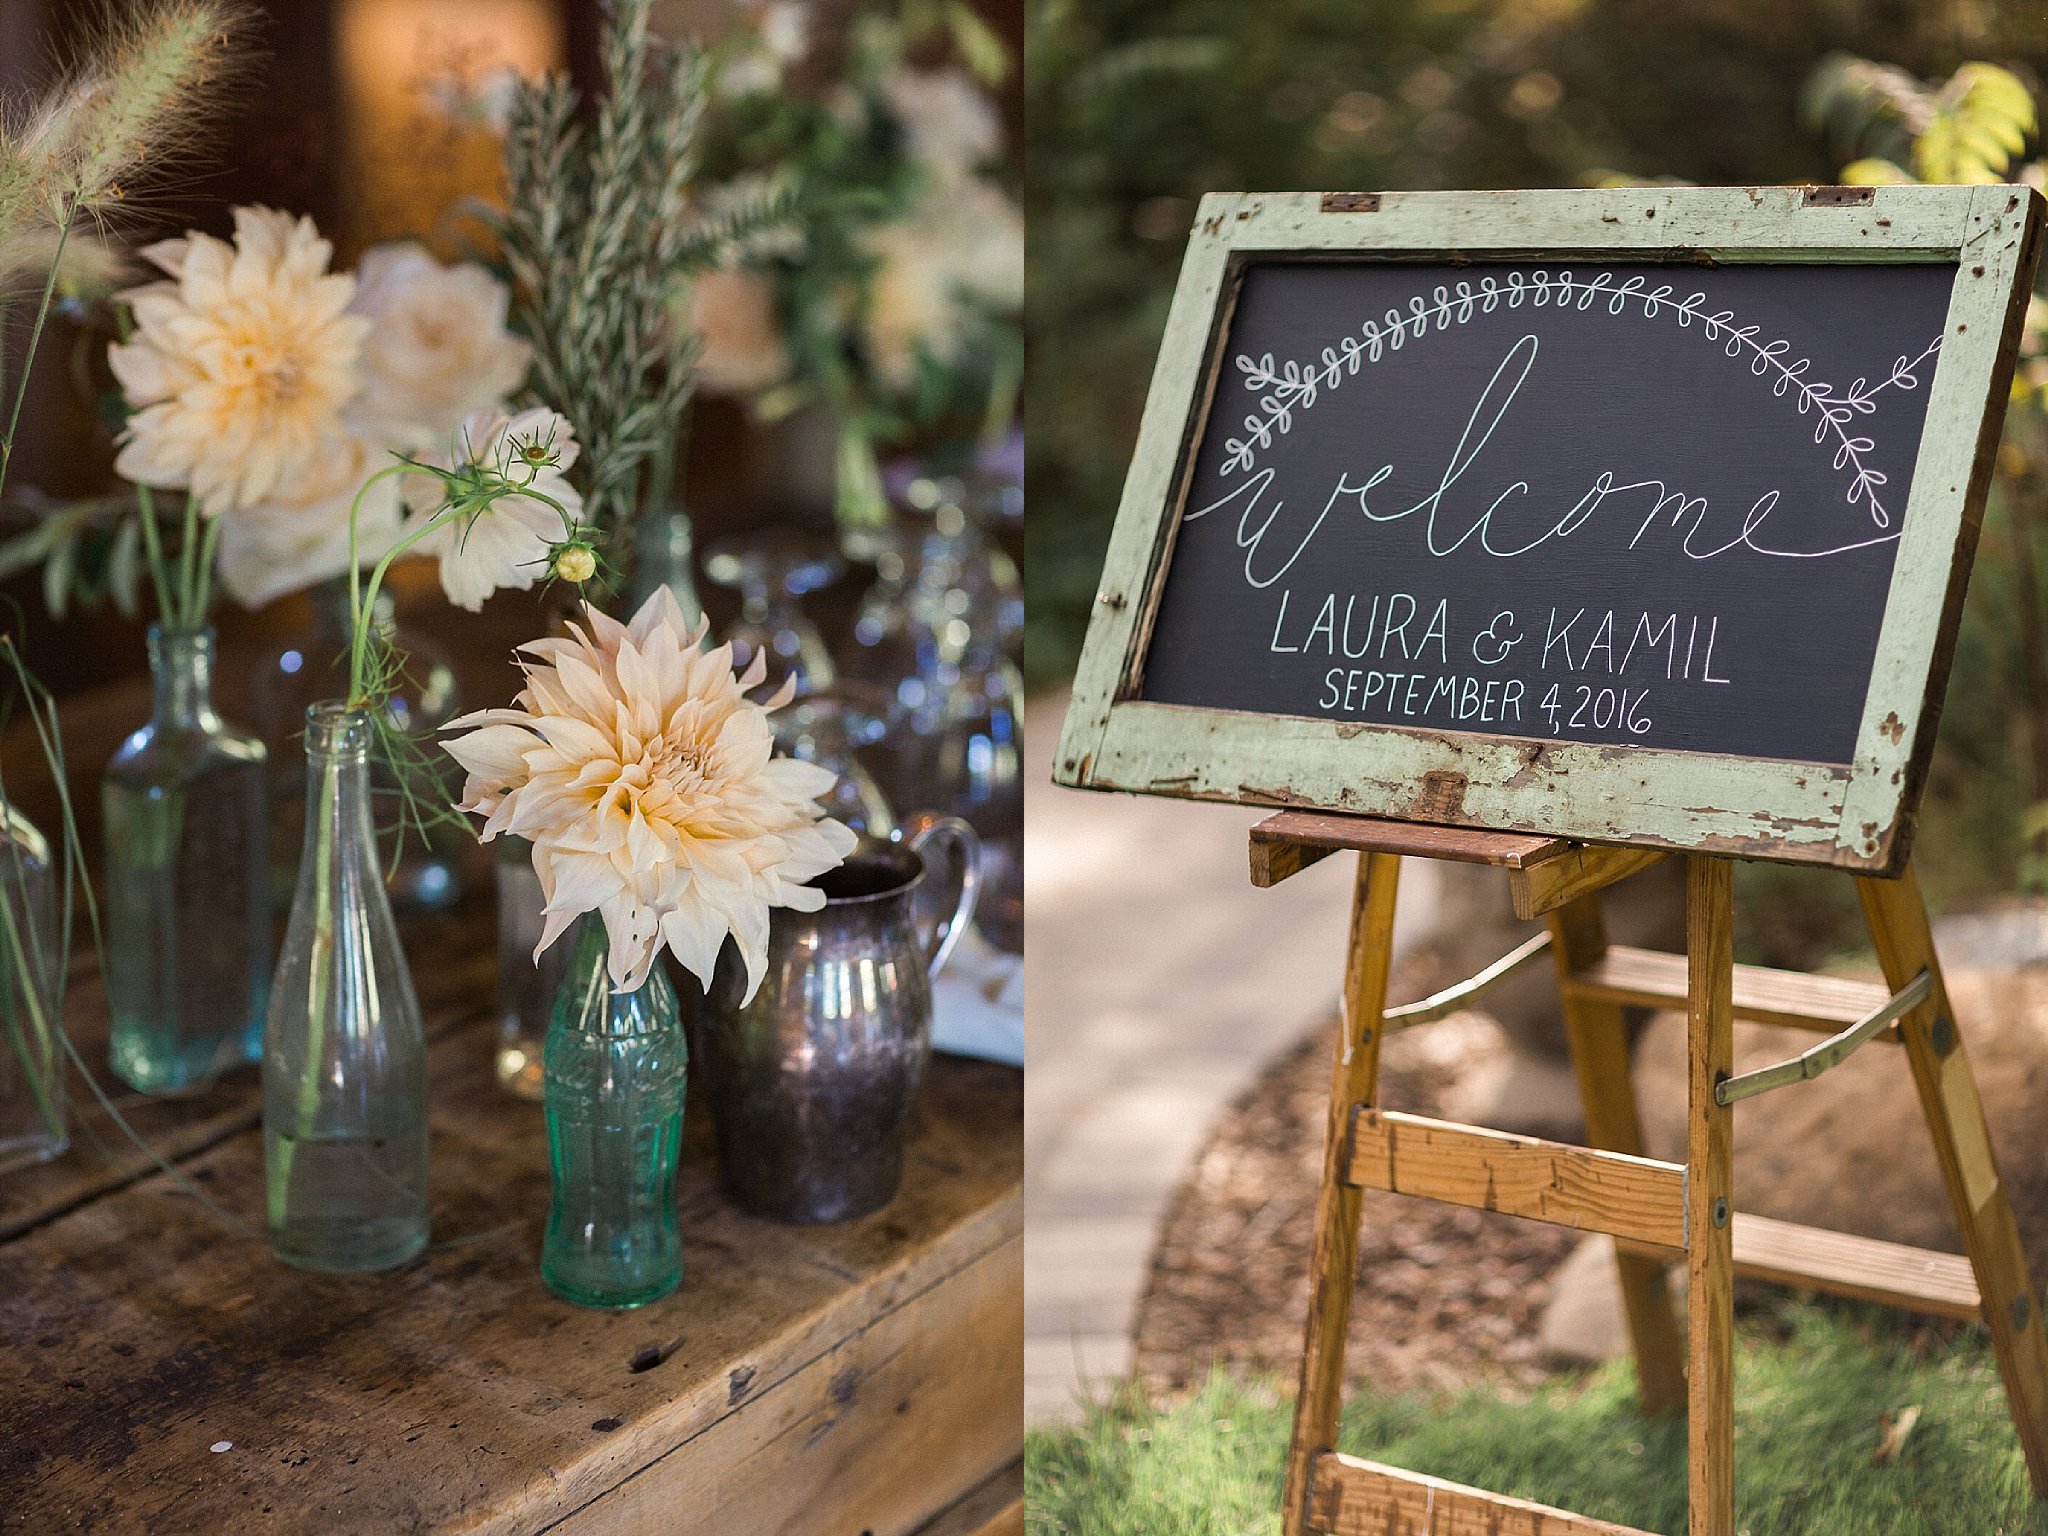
(161,1373)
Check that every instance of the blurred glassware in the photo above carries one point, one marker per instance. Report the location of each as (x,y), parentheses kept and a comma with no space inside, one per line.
(664,555)
(831,727)
(976,768)
(310,668)
(773,569)
(526,987)
(935,631)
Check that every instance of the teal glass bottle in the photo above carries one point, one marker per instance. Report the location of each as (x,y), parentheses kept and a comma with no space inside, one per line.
(185,803)
(344,1054)
(615,1067)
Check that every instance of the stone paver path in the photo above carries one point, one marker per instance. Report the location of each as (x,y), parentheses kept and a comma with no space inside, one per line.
(1158,983)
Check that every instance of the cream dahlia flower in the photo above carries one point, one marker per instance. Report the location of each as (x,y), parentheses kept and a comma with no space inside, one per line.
(648,785)
(438,350)
(510,542)
(241,363)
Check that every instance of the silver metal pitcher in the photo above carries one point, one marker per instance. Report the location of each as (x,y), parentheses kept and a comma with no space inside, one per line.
(812,1082)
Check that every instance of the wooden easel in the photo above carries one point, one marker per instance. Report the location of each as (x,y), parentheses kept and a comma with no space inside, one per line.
(1656,1211)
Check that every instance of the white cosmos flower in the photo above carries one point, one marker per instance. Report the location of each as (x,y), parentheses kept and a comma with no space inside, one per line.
(648,785)
(506,544)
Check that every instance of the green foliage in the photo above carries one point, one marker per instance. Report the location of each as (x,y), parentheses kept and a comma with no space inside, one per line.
(1969,129)
(829,133)
(1811,1412)
(602,221)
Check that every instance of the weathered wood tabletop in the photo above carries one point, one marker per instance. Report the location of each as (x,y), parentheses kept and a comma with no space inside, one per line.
(160,1373)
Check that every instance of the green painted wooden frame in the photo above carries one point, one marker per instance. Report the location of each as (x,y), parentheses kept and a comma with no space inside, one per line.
(1858,817)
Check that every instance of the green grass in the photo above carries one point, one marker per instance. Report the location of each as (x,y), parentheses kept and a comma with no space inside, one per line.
(1808,1419)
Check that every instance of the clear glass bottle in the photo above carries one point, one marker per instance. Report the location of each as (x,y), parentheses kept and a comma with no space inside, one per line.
(33,1124)
(344,1058)
(617,1066)
(308,668)
(186,808)
(526,988)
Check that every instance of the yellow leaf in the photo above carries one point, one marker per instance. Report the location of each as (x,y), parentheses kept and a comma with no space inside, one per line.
(1981,121)
(1875,172)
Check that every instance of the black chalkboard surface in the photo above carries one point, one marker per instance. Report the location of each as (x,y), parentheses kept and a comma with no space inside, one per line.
(1650,505)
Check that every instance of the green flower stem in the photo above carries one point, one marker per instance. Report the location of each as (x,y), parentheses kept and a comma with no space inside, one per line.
(202,597)
(153,547)
(188,554)
(35,337)
(862,502)
(362,602)
(319,977)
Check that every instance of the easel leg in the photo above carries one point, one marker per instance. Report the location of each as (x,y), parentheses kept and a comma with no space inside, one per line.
(1709,1219)
(1599,1046)
(1962,1145)
(1333,1267)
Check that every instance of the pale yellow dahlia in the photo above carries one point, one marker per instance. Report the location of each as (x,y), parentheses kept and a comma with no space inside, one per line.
(648,785)
(241,363)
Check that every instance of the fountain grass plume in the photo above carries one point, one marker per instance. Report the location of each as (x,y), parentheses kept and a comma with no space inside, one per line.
(124,114)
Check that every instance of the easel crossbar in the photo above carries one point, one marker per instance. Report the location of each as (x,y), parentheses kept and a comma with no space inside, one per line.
(1831,1052)
(1652,978)
(1442,1004)
(1363,1498)
(1635,1198)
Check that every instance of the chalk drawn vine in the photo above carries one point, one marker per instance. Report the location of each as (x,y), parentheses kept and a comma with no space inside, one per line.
(1291,386)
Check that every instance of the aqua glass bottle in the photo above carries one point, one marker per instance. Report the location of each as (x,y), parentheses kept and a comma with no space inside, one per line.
(33,1121)
(344,1057)
(616,1066)
(186,808)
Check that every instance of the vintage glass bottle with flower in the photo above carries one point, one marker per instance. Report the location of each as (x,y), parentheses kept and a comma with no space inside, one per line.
(616,1067)
(186,811)
(344,1057)
(646,783)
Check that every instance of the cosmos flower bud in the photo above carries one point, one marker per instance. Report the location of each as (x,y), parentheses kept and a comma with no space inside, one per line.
(575,562)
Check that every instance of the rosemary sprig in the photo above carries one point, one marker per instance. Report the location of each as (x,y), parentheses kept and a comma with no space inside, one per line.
(602,226)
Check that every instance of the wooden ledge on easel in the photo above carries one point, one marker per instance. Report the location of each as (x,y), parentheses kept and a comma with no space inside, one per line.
(1362,1498)
(1544,873)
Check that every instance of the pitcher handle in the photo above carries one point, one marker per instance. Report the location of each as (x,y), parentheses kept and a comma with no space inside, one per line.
(920,830)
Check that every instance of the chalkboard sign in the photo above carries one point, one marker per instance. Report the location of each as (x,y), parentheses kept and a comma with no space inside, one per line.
(1619,504)
(1637,516)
